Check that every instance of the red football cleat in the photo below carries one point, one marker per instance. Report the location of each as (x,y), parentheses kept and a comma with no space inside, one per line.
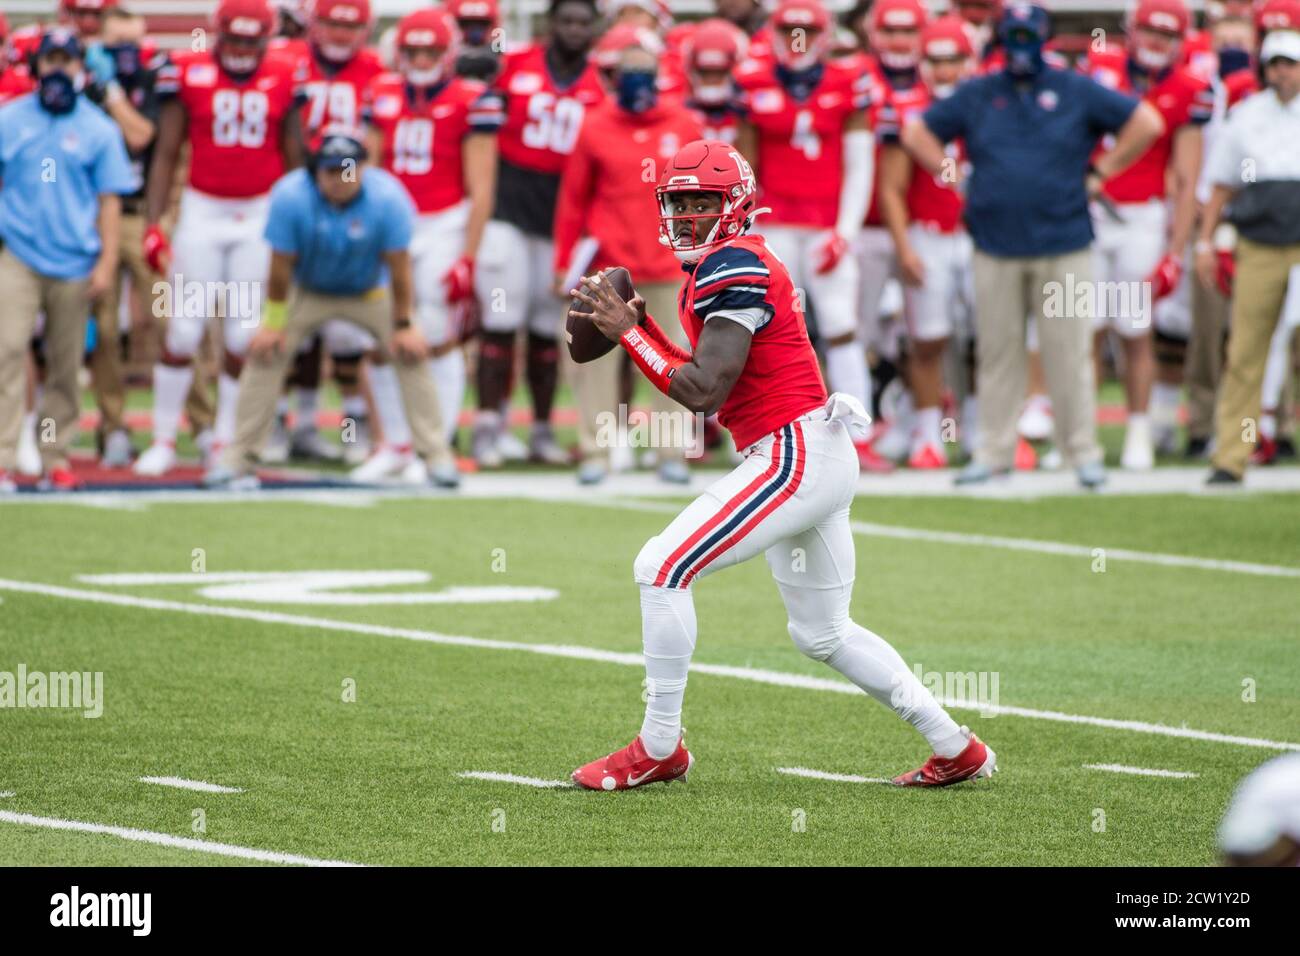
(927,458)
(1026,457)
(977,760)
(60,479)
(633,767)
(870,460)
(1265,452)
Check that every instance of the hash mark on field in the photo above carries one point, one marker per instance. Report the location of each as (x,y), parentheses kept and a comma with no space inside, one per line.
(1141,771)
(579,652)
(182,784)
(513,778)
(824,775)
(167,840)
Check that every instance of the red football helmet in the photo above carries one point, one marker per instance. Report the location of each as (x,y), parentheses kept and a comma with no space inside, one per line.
(620,37)
(1277,15)
(477,19)
(431,29)
(1156,32)
(709,166)
(715,46)
(658,10)
(338,29)
(243,28)
(895,32)
(979,12)
(801,33)
(87,16)
(946,39)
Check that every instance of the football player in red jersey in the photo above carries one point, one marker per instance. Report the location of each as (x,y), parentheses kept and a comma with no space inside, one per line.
(1144,222)
(545,89)
(981,19)
(481,38)
(924,216)
(893,82)
(805,130)
(15,80)
(435,132)
(290,19)
(230,104)
(710,56)
(750,360)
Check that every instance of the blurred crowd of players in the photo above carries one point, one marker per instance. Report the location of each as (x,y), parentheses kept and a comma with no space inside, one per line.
(506,149)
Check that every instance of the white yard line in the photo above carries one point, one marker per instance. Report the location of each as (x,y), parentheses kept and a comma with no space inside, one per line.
(575,652)
(826,775)
(167,840)
(1141,771)
(7,793)
(495,777)
(181,783)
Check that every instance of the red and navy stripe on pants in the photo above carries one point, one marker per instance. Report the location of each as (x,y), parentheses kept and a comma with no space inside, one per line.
(741,514)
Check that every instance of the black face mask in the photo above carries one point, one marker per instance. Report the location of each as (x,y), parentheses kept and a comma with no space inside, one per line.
(1232,59)
(126,61)
(57,93)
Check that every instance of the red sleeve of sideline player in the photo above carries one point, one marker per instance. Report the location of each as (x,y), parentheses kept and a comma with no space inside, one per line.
(654,353)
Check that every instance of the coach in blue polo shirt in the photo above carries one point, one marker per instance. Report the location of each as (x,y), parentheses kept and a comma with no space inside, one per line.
(64,165)
(1030,132)
(340,236)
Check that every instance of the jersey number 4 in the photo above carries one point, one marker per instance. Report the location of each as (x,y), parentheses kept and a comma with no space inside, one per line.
(239,119)
(805,138)
(553,124)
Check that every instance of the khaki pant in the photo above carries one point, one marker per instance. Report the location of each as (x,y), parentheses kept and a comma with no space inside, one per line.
(66,305)
(1258,293)
(108,379)
(1007,290)
(260,383)
(596,384)
(1205,358)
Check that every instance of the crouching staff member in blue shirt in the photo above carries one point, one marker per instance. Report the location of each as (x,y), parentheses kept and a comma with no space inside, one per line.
(1029,133)
(340,232)
(64,167)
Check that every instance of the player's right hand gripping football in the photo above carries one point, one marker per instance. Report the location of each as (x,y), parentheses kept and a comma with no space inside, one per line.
(609,312)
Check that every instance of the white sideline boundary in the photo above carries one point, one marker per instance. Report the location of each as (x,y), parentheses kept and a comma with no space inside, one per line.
(1142,771)
(577,652)
(827,775)
(180,783)
(168,840)
(495,777)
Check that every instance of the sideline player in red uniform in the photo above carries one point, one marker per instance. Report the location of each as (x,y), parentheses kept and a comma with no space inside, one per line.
(435,132)
(545,89)
(805,130)
(710,56)
(230,104)
(15,80)
(752,363)
(1143,231)
(924,216)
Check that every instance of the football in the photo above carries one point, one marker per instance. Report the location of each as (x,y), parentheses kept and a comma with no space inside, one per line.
(586,342)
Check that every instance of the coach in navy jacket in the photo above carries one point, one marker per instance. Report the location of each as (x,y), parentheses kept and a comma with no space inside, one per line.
(1030,132)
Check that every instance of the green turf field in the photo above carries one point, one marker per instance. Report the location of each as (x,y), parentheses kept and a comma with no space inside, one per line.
(255,698)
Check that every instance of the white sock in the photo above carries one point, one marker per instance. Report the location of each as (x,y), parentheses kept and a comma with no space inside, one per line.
(282,406)
(388,405)
(223,428)
(448,372)
(872,663)
(927,427)
(354,406)
(846,367)
(1268,425)
(307,400)
(970,422)
(170,386)
(1165,399)
(668,636)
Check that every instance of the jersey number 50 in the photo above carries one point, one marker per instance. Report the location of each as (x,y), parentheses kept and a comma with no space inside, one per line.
(552,123)
(239,119)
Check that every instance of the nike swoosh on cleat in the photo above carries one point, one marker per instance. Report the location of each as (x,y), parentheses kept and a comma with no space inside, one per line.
(637,781)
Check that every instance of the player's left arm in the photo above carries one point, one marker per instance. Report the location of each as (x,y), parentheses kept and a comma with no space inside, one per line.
(701,380)
(480,165)
(1186,168)
(293,138)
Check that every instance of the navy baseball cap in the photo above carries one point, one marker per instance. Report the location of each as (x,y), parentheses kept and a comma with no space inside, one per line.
(339,146)
(59,38)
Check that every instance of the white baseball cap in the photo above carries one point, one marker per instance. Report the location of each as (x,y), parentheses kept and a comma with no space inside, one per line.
(1265,807)
(1280,43)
